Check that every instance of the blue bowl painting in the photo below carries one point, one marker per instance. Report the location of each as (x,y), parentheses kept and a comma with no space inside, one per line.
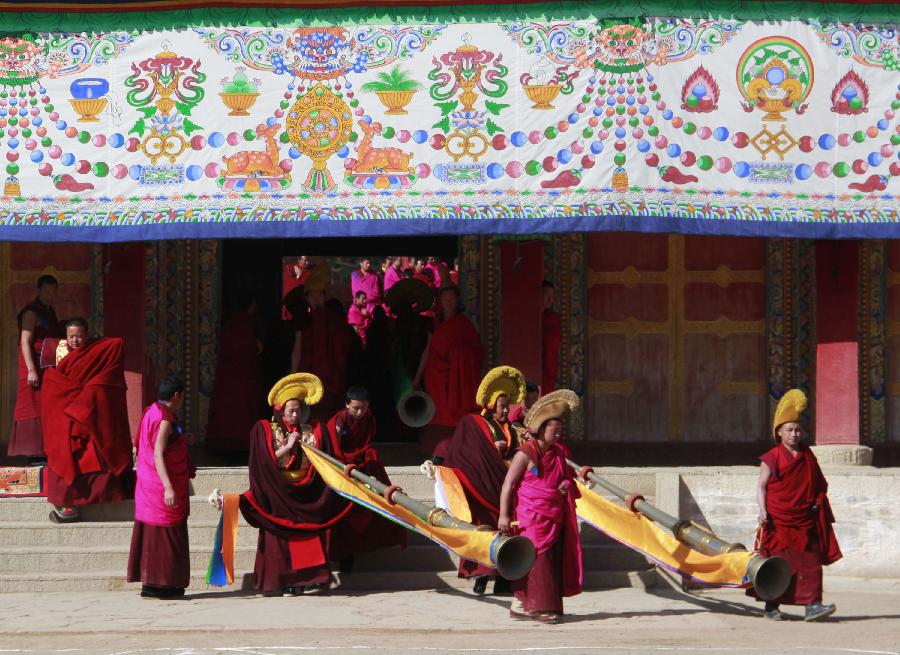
(88,88)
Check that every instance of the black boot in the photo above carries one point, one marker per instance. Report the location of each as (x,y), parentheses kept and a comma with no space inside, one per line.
(480,584)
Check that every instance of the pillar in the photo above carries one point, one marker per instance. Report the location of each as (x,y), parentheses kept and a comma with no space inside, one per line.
(123,316)
(837,402)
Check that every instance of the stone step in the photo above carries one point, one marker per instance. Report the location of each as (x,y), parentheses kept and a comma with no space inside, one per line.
(61,559)
(111,533)
(415,557)
(362,581)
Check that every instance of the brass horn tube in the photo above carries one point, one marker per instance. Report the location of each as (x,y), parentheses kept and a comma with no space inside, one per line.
(514,555)
(770,576)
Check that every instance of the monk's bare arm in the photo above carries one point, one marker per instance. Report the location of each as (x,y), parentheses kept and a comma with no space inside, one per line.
(513,475)
(423,361)
(762,483)
(159,461)
(29,320)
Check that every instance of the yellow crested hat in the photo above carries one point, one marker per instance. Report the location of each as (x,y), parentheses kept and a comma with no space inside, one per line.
(304,387)
(319,278)
(555,405)
(501,381)
(790,409)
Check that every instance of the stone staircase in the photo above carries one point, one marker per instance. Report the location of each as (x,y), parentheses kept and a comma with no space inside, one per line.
(37,555)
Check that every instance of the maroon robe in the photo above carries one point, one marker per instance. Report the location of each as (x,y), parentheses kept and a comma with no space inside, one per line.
(453,369)
(238,398)
(800,522)
(551,336)
(362,531)
(293,509)
(325,349)
(85,422)
(26,437)
(481,470)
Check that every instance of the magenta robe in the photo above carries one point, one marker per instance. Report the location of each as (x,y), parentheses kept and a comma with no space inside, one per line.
(371,284)
(547,518)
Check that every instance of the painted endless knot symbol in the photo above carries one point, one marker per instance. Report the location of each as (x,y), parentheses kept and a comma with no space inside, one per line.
(780,142)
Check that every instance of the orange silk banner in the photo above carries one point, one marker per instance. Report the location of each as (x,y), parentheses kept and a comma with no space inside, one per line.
(474,545)
(643,535)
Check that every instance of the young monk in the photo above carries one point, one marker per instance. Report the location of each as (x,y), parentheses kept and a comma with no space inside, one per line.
(359,316)
(541,482)
(288,501)
(160,557)
(351,433)
(365,279)
(794,513)
(84,414)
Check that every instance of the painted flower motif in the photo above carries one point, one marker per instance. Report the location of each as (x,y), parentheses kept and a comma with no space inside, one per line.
(166,123)
(468,119)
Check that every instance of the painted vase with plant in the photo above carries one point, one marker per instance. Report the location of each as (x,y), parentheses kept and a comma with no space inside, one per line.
(239,93)
(395,89)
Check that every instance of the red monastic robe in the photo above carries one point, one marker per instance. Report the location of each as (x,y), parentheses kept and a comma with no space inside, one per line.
(238,398)
(551,336)
(472,455)
(293,509)
(453,370)
(26,438)
(84,415)
(289,282)
(362,531)
(800,522)
(325,349)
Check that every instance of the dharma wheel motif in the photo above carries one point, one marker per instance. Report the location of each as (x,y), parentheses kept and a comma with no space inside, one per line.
(318,125)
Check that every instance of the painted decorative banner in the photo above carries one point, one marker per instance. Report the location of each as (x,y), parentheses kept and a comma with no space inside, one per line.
(719,126)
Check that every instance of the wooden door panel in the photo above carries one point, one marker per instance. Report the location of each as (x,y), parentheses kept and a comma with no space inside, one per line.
(628,388)
(676,345)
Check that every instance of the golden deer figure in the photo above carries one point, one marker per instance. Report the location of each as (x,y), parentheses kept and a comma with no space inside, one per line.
(257,162)
(379,160)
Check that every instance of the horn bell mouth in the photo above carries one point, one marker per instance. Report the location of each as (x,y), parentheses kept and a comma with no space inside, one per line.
(770,576)
(515,557)
(415,409)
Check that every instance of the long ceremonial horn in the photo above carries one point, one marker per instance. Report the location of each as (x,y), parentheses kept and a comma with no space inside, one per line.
(512,555)
(770,576)
(415,408)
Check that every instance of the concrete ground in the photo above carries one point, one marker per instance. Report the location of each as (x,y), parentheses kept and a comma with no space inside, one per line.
(613,622)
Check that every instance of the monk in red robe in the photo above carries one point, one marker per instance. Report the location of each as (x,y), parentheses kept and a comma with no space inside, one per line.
(288,501)
(84,414)
(794,513)
(37,321)
(238,398)
(451,369)
(541,486)
(294,275)
(478,454)
(324,344)
(424,274)
(551,336)
(351,433)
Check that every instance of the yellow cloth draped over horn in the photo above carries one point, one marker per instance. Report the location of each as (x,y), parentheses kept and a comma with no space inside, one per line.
(645,536)
(469,544)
